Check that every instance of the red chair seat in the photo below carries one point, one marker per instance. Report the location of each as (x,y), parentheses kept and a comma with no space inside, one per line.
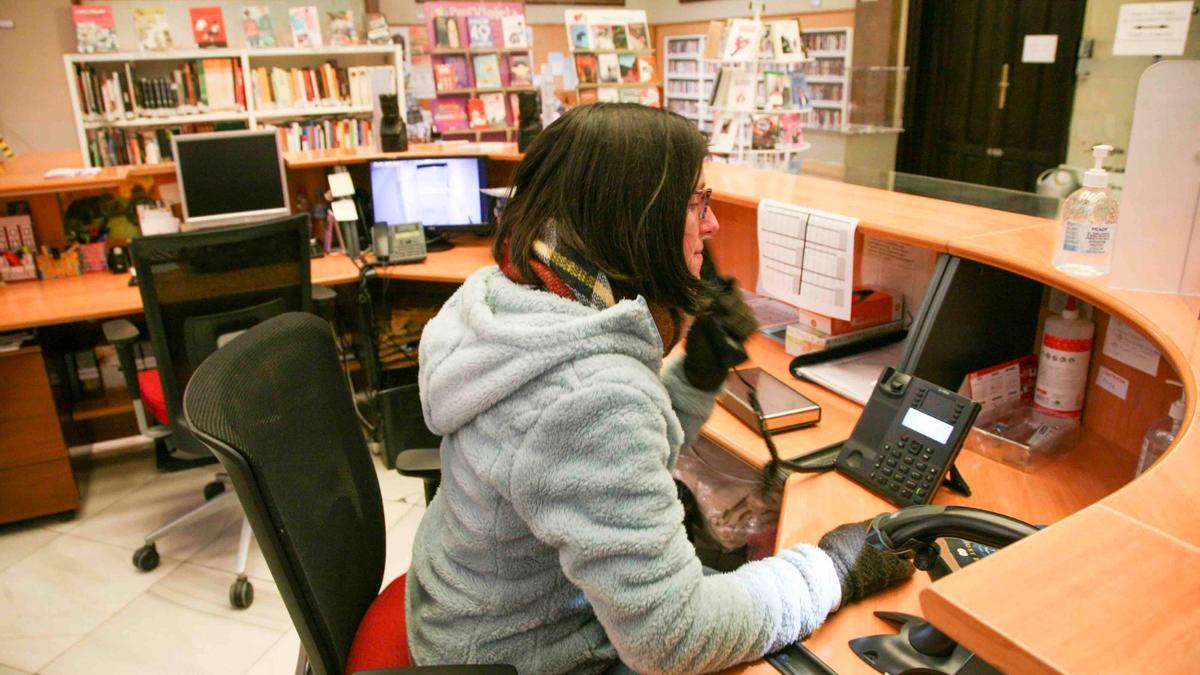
(152,395)
(382,637)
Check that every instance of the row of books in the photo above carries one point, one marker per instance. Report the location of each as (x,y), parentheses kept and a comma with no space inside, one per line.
(742,90)
(607,37)
(203,85)
(609,68)
(462,113)
(484,31)
(453,72)
(117,146)
(327,84)
(325,134)
(647,96)
(767,132)
(95,27)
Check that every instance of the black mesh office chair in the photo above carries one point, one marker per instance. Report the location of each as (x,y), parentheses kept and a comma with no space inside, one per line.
(199,290)
(277,411)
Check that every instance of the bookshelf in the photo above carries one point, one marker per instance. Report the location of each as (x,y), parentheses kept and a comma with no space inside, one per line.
(126,105)
(828,72)
(688,80)
(612,56)
(482,59)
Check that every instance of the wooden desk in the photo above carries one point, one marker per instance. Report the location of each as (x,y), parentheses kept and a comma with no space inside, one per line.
(1107,587)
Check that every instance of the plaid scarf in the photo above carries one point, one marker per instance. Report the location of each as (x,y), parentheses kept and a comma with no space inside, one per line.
(561,272)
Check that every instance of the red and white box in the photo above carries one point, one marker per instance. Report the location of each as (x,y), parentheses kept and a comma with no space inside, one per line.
(869,307)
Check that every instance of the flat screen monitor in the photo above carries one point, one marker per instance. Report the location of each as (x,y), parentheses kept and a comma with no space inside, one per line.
(439,192)
(230,177)
(973,316)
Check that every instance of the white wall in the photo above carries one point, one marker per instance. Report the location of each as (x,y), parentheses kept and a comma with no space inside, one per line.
(35,108)
(1107,86)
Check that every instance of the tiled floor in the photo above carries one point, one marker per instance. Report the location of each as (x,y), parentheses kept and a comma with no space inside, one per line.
(71,600)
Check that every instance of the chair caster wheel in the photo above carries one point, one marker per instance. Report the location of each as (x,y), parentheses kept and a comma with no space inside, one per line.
(213,489)
(241,594)
(146,558)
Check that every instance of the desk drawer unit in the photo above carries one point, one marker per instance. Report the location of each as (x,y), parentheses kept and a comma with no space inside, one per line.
(35,472)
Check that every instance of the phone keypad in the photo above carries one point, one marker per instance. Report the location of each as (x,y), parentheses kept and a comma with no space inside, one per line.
(902,469)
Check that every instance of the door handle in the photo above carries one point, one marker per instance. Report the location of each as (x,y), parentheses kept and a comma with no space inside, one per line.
(1003,86)
(995,152)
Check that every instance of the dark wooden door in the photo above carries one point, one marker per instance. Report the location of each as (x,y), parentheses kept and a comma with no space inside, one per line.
(973,111)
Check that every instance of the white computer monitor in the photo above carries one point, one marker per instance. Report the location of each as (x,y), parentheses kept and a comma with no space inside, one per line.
(442,193)
(230,177)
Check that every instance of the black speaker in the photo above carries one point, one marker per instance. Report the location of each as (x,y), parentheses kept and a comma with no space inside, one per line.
(393,133)
(529,124)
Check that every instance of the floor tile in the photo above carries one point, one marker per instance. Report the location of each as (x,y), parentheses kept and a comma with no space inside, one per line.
(19,540)
(103,481)
(129,519)
(281,659)
(394,487)
(399,544)
(62,591)
(184,623)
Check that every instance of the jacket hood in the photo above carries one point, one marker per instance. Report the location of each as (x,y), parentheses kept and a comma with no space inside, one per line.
(494,336)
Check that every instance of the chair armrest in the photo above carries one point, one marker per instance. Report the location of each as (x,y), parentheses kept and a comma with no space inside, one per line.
(419,462)
(443,670)
(121,334)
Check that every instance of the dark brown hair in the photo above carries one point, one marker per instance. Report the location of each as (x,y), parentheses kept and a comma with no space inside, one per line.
(615,178)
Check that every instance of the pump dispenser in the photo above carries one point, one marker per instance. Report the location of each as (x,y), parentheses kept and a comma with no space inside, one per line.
(1162,433)
(1088,223)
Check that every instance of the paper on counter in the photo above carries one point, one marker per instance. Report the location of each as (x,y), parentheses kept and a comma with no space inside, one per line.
(806,257)
(854,377)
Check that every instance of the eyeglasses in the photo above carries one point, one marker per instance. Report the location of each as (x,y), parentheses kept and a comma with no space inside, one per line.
(705,197)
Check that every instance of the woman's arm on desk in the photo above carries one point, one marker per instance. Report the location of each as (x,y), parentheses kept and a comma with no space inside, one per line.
(592,480)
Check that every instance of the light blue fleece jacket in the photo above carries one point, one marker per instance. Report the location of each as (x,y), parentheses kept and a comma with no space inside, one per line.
(556,542)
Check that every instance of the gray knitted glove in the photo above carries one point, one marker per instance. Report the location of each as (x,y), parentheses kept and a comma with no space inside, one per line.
(862,569)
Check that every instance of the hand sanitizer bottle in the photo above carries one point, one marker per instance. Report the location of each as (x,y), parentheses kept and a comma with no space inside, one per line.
(1089,222)
(1161,434)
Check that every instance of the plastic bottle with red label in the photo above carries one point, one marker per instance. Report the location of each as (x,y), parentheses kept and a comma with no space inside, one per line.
(1063,363)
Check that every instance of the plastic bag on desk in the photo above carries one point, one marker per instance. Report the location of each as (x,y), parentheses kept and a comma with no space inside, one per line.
(735,511)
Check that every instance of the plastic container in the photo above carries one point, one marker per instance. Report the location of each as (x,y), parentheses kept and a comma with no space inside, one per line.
(1088,223)
(1161,434)
(1063,363)
(1020,437)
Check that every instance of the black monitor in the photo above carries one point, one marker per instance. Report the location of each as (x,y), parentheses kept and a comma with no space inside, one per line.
(230,177)
(973,316)
(441,193)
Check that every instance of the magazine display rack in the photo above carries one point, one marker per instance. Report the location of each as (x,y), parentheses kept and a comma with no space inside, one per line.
(613,56)
(759,101)
(481,55)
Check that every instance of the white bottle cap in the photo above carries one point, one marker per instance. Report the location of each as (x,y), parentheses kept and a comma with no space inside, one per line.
(1178,407)
(1097,177)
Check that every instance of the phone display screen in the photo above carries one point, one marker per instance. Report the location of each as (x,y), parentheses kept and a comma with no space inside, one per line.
(927,425)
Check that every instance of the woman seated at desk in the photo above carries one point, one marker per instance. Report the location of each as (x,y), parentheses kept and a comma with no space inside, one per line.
(556,541)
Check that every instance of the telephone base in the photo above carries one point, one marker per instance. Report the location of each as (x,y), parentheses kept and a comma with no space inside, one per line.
(896,654)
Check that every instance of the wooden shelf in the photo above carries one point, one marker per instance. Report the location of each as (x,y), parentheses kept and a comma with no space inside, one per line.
(112,403)
(639,52)
(473,90)
(467,132)
(640,85)
(279,113)
(444,51)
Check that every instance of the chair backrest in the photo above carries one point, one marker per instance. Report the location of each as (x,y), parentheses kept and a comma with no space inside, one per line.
(199,286)
(275,408)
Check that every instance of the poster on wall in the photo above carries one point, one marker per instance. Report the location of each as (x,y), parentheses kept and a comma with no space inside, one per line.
(1152,28)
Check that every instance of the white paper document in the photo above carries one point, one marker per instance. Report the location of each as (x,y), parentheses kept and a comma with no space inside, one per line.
(1152,28)
(854,376)
(1126,345)
(806,257)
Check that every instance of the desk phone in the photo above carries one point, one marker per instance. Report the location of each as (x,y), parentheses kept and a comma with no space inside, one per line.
(908,435)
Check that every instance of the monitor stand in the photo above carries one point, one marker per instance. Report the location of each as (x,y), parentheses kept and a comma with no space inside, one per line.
(436,241)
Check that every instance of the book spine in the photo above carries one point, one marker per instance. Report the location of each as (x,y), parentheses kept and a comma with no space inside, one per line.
(202,91)
(239,84)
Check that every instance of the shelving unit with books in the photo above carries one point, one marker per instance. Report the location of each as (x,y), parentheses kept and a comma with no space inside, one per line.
(828,72)
(759,100)
(127,105)
(613,57)
(688,79)
(481,60)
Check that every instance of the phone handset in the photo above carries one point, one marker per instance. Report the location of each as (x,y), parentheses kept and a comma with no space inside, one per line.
(708,272)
